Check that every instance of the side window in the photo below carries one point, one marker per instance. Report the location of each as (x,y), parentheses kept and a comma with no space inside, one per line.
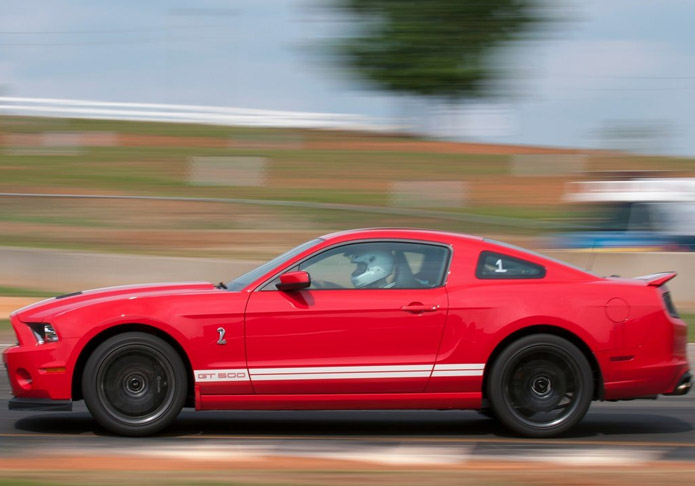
(377,265)
(329,270)
(498,266)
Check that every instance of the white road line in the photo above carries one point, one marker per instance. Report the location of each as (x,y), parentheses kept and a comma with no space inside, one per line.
(413,454)
(399,454)
(581,457)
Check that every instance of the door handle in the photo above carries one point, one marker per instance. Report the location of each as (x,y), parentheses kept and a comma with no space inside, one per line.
(418,308)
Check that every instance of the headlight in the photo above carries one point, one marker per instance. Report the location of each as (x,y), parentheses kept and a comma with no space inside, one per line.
(44,333)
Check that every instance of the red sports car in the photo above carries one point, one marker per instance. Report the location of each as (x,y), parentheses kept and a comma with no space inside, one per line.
(364,319)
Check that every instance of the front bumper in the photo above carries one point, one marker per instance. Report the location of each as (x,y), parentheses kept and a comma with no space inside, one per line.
(40,404)
(39,372)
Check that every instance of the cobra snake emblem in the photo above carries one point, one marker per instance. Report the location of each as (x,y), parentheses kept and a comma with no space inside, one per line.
(222,332)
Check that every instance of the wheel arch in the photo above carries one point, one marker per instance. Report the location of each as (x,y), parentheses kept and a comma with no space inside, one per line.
(106,334)
(556,331)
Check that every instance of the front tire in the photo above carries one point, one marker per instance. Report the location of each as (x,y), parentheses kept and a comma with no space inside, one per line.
(540,385)
(134,384)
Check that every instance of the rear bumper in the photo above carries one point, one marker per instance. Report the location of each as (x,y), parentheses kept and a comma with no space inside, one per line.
(683,385)
(40,404)
(635,380)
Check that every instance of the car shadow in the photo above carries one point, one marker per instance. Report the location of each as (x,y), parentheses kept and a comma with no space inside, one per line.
(464,425)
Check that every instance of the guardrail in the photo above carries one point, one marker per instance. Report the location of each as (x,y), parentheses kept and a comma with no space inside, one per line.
(211,115)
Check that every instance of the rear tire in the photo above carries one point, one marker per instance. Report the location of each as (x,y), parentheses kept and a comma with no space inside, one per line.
(540,385)
(134,384)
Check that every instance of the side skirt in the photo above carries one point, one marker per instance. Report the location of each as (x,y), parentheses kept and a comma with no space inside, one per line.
(367,401)
(40,405)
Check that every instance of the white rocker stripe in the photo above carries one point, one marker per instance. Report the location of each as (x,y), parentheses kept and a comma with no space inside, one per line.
(338,369)
(470,366)
(457,373)
(460,369)
(342,376)
(338,372)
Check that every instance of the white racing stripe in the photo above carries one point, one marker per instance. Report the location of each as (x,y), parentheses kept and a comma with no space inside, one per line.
(340,372)
(342,376)
(457,373)
(467,366)
(339,369)
(461,369)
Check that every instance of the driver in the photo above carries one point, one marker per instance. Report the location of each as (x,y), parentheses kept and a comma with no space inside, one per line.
(372,269)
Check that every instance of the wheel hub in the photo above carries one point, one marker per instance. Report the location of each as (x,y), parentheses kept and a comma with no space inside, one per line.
(541,386)
(136,384)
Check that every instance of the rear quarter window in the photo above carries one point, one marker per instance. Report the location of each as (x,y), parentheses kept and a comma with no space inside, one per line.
(492,265)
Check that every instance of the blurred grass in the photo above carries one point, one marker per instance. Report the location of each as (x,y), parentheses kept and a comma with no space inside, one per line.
(24,292)
(313,166)
(690,320)
(337,176)
(349,173)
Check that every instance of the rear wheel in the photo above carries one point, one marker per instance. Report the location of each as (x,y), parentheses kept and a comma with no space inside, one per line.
(540,385)
(134,384)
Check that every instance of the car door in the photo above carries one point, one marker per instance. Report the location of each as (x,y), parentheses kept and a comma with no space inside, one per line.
(345,333)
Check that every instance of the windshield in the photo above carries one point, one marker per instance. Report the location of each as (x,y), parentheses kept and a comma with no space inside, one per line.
(247,278)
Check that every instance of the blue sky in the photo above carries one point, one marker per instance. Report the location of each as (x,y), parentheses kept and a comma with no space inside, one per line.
(613,62)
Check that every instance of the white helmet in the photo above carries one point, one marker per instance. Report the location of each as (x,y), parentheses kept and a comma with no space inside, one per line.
(371,267)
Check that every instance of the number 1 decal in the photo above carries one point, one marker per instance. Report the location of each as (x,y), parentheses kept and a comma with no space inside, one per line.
(499,268)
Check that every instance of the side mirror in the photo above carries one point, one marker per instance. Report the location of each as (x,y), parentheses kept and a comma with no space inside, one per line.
(294,281)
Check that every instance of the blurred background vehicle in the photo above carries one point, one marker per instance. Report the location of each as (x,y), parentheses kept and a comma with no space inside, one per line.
(634,215)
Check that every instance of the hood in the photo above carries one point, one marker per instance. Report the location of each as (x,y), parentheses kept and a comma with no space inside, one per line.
(41,311)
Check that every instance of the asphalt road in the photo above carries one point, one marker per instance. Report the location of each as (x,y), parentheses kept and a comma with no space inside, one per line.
(639,430)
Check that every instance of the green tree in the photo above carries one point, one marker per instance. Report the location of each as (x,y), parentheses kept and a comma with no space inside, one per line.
(432,48)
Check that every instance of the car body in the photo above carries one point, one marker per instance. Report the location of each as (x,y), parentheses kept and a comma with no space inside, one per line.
(454,322)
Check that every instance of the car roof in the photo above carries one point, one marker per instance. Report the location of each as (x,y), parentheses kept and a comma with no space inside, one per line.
(400,233)
(560,268)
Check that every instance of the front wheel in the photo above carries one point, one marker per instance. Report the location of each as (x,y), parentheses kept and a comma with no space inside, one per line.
(540,385)
(134,384)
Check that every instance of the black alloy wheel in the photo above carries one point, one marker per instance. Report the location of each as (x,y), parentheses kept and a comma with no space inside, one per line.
(540,385)
(134,384)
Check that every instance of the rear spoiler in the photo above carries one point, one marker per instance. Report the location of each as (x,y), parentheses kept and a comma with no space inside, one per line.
(657,279)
